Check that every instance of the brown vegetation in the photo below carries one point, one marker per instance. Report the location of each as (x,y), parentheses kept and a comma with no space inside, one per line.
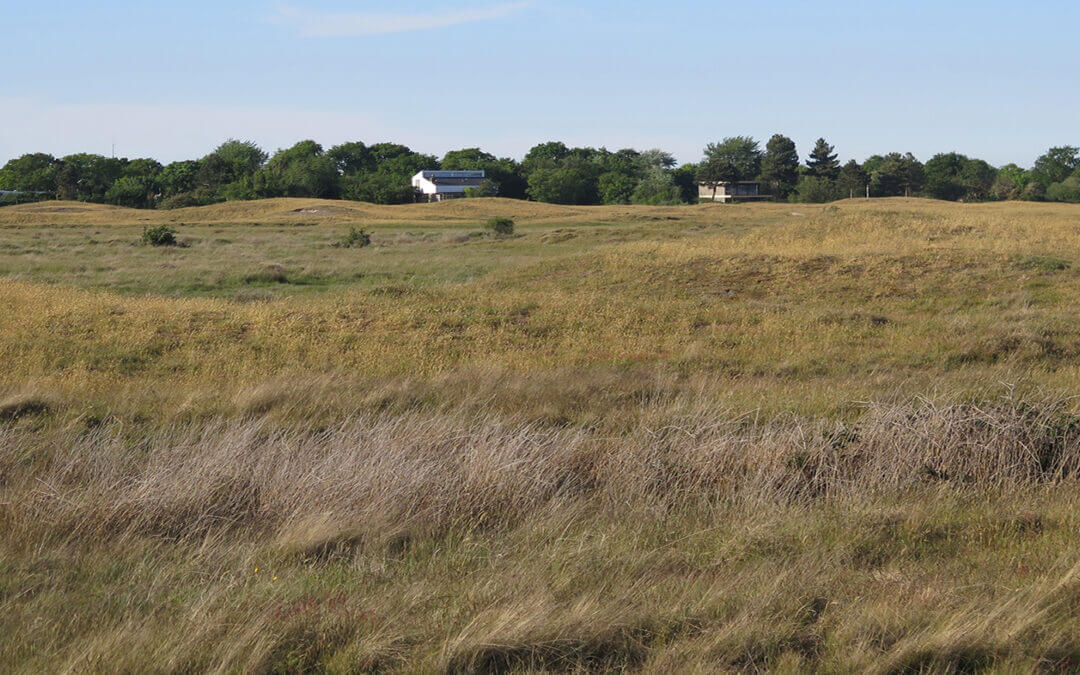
(707,439)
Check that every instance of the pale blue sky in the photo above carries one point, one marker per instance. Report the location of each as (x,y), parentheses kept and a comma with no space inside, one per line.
(170,79)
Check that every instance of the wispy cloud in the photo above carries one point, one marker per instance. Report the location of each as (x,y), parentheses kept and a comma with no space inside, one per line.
(345,24)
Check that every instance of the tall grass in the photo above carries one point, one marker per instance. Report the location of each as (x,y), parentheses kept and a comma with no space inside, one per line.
(703,505)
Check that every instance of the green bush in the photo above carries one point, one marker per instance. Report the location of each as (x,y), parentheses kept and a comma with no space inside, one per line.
(1067,190)
(500,225)
(356,238)
(162,235)
(200,197)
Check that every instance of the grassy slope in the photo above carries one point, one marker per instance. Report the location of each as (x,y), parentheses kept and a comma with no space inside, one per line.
(568,501)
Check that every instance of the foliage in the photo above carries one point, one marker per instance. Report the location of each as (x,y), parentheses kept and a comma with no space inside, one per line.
(780,165)
(894,174)
(561,186)
(504,174)
(816,190)
(685,177)
(35,172)
(1067,190)
(303,170)
(486,188)
(162,235)
(500,225)
(131,191)
(550,172)
(1056,165)
(199,197)
(954,176)
(355,238)
(379,187)
(353,158)
(735,158)
(87,177)
(657,187)
(853,179)
(230,162)
(178,177)
(822,162)
(615,187)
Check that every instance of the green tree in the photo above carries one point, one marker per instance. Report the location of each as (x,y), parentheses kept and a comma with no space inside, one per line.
(657,187)
(230,162)
(943,176)
(822,162)
(817,190)
(303,170)
(377,187)
(505,173)
(486,188)
(685,177)
(653,159)
(132,191)
(35,172)
(1056,165)
(735,158)
(894,174)
(615,187)
(1009,183)
(545,156)
(977,178)
(853,179)
(354,157)
(1067,190)
(87,177)
(561,186)
(178,177)
(780,165)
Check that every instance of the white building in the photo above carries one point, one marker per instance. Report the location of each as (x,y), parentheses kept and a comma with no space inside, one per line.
(439,185)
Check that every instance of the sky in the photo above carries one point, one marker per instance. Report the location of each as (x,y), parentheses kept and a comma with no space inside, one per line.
(172,80)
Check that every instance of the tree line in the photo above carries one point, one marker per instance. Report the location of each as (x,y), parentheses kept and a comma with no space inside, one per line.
(550,172)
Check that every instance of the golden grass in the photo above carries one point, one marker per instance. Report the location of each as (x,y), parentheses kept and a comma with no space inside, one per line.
(697,439)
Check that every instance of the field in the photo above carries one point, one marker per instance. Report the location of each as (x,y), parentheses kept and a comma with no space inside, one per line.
(700,438)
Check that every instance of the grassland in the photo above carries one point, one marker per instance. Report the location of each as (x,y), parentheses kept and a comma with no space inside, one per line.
(757,437)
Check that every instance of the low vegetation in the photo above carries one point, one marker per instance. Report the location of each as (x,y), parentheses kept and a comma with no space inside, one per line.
(162,235)
(711,438)
(356,238)
(500,225)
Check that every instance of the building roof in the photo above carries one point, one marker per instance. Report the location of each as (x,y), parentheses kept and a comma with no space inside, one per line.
(437,174)
(727,182)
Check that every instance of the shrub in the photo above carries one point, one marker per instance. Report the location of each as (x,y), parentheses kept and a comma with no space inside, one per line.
(201,197)
(356,238)
(500,225)
(487,188)
(162,235)
(815,190)
(1067,190)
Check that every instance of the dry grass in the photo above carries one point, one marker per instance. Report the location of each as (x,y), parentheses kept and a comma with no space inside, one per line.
(688,439)
(436,542)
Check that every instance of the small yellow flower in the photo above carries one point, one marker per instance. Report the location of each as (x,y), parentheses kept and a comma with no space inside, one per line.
(256,570)
(275,578)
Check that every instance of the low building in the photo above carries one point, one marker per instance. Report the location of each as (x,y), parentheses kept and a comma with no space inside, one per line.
(743,191)
(437,186)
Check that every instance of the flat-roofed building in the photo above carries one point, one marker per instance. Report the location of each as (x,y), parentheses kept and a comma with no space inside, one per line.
(742,191)
(436,186)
